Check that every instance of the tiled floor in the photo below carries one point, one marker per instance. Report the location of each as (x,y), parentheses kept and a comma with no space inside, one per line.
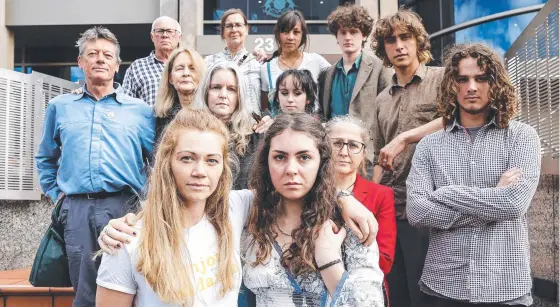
(15,291)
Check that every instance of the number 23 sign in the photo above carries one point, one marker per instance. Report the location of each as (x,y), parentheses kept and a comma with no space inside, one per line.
(265,43)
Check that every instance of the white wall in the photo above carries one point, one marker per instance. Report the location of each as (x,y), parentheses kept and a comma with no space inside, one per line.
(71,12)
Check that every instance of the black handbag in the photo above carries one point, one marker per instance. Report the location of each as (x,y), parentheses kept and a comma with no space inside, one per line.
(50,267)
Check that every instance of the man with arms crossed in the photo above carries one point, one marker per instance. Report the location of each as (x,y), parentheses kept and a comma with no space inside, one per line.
(92,155)
(472,184)
(403,113)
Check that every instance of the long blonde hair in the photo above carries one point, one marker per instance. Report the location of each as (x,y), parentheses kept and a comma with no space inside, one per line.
(167,94)
(241,123)
(162,253)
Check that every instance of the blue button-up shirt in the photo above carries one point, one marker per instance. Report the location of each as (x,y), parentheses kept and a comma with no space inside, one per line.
(343,84)
(93,146)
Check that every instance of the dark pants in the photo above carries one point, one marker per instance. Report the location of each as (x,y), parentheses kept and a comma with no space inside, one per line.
(410,253)
(434,301)
(83,220)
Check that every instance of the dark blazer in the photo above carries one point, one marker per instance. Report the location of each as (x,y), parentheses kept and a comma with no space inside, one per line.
(379,200)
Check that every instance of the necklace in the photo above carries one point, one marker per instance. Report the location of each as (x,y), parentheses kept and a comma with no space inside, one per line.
(294,62)
(353,183)
(282,231)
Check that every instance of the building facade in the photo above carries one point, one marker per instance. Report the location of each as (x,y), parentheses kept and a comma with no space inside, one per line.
(40,35)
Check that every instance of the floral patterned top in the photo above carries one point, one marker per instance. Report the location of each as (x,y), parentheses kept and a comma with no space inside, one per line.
(275,286)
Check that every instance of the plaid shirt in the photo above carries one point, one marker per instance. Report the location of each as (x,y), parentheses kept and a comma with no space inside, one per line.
(479,247)
(251,70)
(141,79)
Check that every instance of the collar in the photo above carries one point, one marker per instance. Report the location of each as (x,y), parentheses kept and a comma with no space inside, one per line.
(229,55)
(457,125)
(361,188)
(355,65)
(419,75)
(154,59)
(118,93)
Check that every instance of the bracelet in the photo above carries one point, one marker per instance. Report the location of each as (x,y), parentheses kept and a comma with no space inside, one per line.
(328,265)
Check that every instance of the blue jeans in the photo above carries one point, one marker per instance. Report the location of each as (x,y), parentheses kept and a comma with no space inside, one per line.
(246,297)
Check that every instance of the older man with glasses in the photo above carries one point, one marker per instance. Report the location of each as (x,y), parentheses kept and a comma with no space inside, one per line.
(142,77)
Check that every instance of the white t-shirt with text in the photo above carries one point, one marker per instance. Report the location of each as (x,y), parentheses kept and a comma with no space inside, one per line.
(118,272)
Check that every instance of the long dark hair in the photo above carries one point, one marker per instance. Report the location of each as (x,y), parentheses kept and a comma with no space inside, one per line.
(320,201)
(301,79)
(285,23)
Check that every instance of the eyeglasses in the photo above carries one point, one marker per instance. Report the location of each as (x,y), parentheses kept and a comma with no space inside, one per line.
(169,32)
(230,26)
(354,147)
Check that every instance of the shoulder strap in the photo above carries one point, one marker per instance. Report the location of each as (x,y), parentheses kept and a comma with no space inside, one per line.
(269,76)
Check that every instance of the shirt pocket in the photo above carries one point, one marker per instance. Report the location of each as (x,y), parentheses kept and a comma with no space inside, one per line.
(424,113)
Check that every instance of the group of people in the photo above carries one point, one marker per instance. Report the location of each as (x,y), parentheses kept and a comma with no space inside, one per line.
(246,179)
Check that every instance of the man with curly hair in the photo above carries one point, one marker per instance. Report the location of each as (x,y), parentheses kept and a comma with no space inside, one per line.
(350,86)
(404,113)
(472,184)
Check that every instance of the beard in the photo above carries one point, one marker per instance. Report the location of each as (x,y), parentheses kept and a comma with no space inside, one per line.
(475,111)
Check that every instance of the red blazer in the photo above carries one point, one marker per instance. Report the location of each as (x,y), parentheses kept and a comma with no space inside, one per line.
(380,201)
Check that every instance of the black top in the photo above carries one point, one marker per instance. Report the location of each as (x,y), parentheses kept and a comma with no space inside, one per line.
(162,122)
(241,168)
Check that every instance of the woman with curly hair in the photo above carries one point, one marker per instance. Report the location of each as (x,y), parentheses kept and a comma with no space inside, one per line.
(299,251)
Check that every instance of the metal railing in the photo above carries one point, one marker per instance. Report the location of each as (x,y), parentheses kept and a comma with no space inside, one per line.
(533,66)
(23,100)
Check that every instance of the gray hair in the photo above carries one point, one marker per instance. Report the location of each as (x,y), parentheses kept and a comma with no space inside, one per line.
(177,25)
(95,33)
(348,119)
(202,93)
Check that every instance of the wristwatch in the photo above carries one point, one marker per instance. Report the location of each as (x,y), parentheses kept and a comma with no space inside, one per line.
(344,193)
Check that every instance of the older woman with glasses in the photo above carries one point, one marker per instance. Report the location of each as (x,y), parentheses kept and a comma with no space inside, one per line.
(348,136)
(234,29)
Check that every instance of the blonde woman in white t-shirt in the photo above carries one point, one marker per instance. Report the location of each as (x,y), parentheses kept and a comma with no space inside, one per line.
(187,250)
(292,37)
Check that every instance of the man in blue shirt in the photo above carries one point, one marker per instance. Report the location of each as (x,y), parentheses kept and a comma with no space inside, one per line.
(93,155)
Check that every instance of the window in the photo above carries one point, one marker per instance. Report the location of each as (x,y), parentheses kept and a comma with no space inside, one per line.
(313,10)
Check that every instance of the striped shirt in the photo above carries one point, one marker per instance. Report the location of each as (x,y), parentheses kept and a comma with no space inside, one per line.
(479,246)
(141,79)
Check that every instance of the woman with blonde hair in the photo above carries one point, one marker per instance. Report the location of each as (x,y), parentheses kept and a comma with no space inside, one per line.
(179,82)
(187,250)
